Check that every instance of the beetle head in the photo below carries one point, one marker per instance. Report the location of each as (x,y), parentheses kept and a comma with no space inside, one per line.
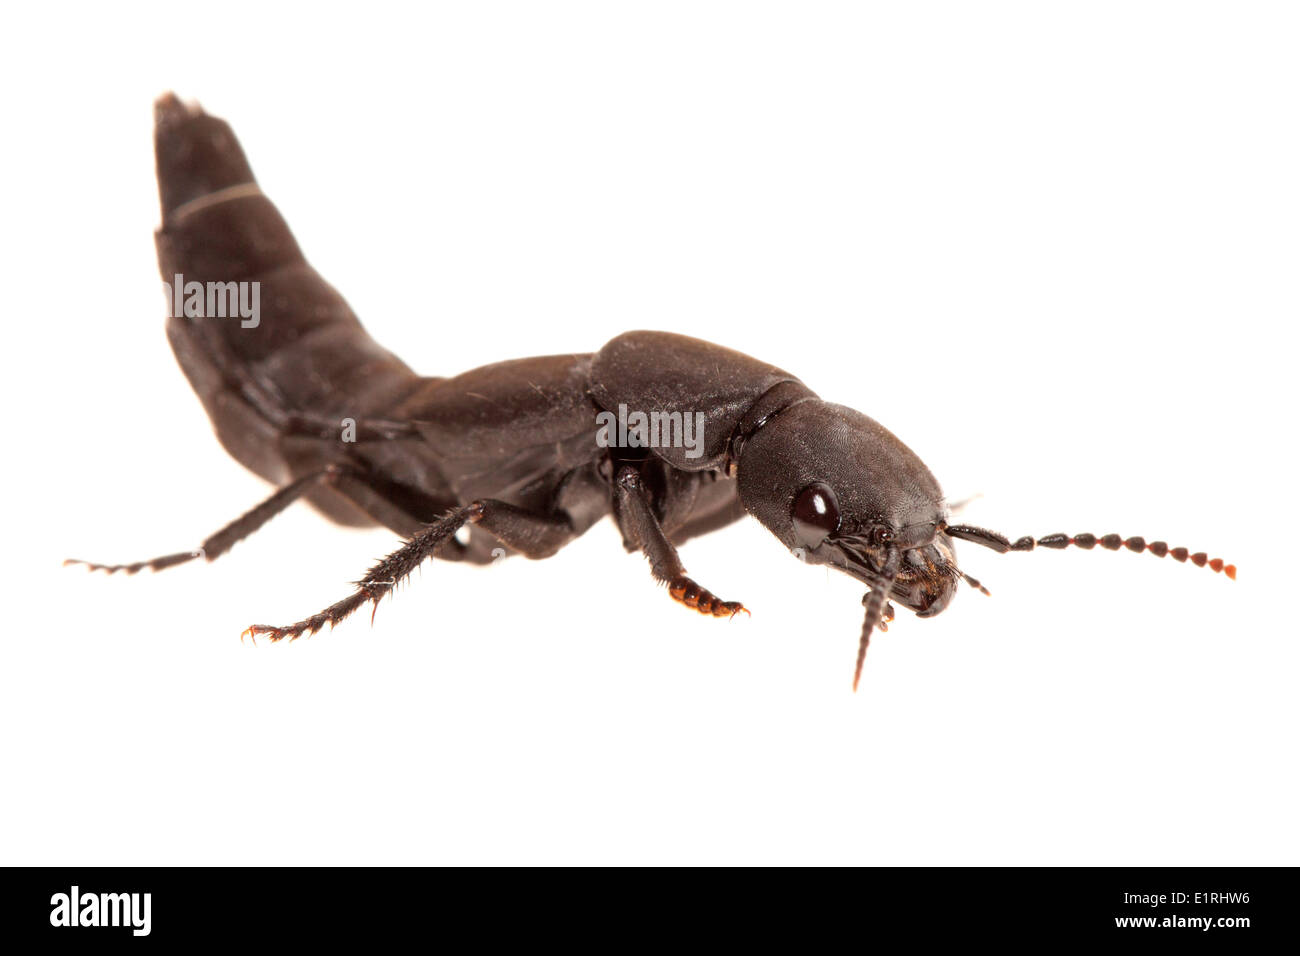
(840,489)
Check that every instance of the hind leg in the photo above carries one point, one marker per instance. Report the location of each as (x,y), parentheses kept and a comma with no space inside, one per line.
(369,492)
(225,539)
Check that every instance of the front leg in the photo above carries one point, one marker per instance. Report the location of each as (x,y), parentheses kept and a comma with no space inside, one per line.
(533,535)
(638,523)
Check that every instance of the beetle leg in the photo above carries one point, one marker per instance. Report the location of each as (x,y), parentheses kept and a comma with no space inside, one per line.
(225,539)
(533,535)
(637,517)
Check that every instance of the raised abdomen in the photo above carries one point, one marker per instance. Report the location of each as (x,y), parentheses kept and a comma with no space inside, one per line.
(289,361)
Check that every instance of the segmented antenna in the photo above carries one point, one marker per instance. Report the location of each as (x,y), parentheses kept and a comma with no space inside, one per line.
(1111,542)
(875,602)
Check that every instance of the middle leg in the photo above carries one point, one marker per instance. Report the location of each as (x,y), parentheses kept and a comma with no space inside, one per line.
(532,535)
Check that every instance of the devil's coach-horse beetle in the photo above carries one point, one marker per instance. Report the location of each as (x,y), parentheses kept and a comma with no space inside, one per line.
(526,454)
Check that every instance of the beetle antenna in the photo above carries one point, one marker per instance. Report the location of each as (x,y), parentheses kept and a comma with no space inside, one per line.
(1111,542)
(875,602)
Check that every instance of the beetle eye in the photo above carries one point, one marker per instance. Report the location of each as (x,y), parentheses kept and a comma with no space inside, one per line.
(816,514)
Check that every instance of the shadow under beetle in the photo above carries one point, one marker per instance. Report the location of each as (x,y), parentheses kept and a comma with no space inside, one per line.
(306,399)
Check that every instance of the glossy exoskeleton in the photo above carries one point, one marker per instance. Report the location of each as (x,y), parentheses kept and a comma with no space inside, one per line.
(523,454)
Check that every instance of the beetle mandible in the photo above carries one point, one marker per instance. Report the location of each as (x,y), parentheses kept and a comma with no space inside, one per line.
(522,453)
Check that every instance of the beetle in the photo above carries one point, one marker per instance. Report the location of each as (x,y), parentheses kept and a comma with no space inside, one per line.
(524,454)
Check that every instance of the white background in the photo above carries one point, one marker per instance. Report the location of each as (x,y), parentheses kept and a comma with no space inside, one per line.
(1052,247)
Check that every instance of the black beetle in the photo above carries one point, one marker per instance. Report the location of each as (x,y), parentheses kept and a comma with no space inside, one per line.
(674,436)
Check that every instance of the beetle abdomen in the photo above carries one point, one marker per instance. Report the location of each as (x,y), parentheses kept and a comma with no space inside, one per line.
(276,355)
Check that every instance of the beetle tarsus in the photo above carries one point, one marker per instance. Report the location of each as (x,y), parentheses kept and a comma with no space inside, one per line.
(637,519)
(687,592)
(222,541)
(154,564)
(382,578)
(331,615)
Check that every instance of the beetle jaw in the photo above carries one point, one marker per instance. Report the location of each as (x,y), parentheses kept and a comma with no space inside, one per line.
(925,582)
